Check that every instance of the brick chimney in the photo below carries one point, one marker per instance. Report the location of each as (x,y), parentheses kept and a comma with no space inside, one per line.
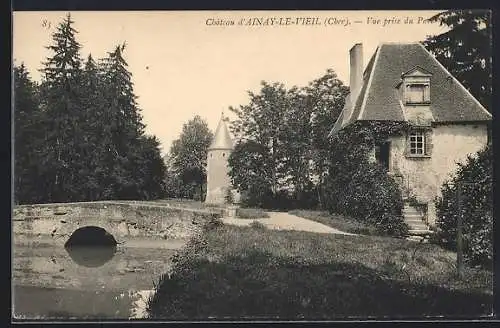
(356,70)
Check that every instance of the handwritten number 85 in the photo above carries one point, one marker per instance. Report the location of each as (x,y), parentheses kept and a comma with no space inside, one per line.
(46,24)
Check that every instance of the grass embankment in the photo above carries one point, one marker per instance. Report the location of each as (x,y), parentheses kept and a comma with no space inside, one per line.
(337,221)
(253,272)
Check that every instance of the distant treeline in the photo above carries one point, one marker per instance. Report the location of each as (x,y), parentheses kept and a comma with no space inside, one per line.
(79,134)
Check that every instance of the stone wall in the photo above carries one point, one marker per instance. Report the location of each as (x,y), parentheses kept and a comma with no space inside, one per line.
(121,219)
(423,177)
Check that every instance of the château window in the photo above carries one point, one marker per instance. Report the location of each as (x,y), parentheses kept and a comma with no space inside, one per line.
(417,143)
(417,93)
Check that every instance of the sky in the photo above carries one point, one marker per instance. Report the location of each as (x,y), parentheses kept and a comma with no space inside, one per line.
(187,63)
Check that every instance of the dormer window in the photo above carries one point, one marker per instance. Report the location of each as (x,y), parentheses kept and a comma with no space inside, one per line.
(417,93)
(417,90)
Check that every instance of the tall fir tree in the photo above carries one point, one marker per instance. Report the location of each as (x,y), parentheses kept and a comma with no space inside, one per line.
(465,49)
(27,137)
(96,140)
(61,88)
(79,135)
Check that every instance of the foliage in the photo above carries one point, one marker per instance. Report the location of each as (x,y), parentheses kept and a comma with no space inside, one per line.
(477,208)
(228,197)
(27,136)
(465,50)
(250,172)
(368,193)
(284,275)
(257,225)
(86,136)
(259,127)
(326,95)
(281,142)
(173,183)
(189,156)
(60,103)
(419,206)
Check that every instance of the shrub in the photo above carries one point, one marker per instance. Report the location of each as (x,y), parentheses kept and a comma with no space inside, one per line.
(477,209)
(359,188)
(257,225)
(213,222)
(228,197)
(251,213)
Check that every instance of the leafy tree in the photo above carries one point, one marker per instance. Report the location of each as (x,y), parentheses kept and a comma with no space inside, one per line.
(477,208)
(250,172)
(150,169)
(173,184)
(465,49)
(326,96)
(189,154)
(27,135)
(262,121)
(291,128)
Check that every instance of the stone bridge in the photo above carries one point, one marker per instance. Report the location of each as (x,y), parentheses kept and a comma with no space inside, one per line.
(122,219)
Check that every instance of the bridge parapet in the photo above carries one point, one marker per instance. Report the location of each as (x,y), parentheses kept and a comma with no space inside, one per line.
(123,219)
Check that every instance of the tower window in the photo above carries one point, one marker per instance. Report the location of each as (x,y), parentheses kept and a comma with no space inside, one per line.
(223,154)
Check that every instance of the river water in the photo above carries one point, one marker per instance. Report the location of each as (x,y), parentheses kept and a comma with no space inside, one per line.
(50,282)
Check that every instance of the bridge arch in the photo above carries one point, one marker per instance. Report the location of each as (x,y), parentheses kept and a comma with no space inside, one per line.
(91,235)
(91,246)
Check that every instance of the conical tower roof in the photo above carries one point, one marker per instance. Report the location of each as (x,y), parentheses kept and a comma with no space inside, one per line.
(222,138)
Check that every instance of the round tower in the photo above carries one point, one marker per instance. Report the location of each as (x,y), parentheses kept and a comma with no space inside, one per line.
(218,180)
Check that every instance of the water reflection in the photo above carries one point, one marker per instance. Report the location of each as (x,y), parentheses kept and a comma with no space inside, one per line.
(91,246)
(88,282)
(91,256)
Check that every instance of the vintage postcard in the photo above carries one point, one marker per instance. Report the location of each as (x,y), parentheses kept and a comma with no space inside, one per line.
(252,165)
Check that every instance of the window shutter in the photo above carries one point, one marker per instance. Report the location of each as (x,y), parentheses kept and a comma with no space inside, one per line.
(407,148)
(407,93)
(428,142)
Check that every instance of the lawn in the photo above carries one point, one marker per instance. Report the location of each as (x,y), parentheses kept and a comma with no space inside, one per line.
(337,221)
(250,273)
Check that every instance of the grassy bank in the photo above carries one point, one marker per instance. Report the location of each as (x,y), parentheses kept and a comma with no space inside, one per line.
(337,221)
(245,272)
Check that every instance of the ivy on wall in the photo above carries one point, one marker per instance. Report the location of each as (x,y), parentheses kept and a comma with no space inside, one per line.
(359,187)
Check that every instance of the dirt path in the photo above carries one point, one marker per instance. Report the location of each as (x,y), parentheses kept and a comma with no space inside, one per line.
(286,221)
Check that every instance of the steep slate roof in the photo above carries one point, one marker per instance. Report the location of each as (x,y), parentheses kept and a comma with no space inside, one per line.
(222,139)
(379,100)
